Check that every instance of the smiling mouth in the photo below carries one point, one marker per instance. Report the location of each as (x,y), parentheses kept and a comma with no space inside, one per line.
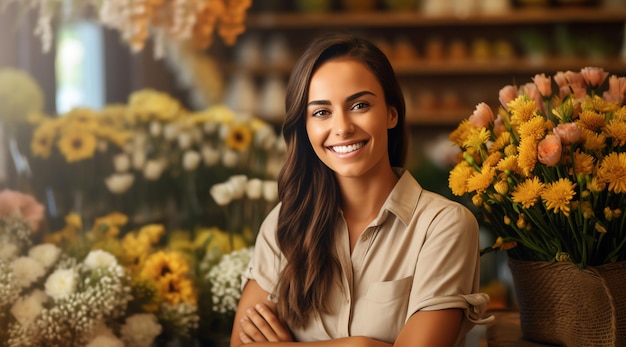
(347,149)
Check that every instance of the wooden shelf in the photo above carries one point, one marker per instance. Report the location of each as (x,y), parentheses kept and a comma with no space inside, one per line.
(417,19)
(467,67)
(437,117)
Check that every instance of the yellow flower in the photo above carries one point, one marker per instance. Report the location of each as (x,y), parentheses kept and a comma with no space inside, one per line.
(522,110)
(163,263)
(152,232)
(612,170)
(493,159)
(110,223)
(458,178)
(477,139)
(594,142)
(527,192)
(83,118)
(617,131)
(480,181)
(508,164)
(558,195)
(461,133)
(501,142)
(502,187)
(583,163)
(149,104)
(176,289)
(43,140)
(591,120)
(527,155)
(239,137)
(77,145)
(534,128)
(116,136)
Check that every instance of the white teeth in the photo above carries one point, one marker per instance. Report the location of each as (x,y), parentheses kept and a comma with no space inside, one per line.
(348,148)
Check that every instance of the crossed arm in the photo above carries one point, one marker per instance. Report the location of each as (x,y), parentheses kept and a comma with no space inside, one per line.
(255,322)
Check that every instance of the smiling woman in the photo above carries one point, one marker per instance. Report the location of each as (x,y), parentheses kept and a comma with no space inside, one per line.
(330,261)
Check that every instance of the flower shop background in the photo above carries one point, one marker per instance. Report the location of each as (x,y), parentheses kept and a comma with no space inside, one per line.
(185,146)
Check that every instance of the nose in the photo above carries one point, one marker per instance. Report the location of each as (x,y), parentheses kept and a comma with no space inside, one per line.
(342,124)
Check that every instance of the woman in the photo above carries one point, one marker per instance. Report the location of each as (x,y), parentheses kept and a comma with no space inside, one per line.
(356,253)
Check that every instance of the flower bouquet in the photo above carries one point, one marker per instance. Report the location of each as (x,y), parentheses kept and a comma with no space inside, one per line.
(549,172)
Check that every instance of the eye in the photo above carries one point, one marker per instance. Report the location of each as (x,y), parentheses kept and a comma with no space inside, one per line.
(360,105)
(320,113)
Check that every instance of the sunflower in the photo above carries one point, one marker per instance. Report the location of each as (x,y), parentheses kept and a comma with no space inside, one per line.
(43,139)
(162,264)
(239,137)
(175,289)
(77,145)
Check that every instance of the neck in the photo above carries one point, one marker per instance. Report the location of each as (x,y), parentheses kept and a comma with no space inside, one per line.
(362,197)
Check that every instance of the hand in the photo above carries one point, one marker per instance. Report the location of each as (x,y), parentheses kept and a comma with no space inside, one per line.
(261,324)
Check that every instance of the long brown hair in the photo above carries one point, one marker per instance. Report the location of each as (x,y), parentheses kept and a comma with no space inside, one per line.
(308,189)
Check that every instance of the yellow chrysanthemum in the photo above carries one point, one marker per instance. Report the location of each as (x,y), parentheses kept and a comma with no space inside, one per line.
(591,120)
(564,111)
(535,128)
(583,163)
(502,187)
(501,142)
(592,141)
(74,220)
(214,239)
(620,114)
(480,181)
(595,185)
(527,192)
(558,195)
(77,145)
(43,140)
(135,249)
(239,137)
(461,133)
(587,209)
(508,164)
(148,104)
(612,170)
(527,155)
(617,131)
(116,136)
(477,138)
(114,115)
(522,110)
(511,150)
(493,159)
(598,104)
(457,181)
(111,223)
(221,113)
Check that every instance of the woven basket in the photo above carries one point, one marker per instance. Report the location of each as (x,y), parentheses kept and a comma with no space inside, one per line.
(562,305)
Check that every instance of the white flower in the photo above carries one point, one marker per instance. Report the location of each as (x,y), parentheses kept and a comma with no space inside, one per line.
(184,140)
(270,191)
(25,310)
(221,193)
(210,127)
(265,137)
(153,170)
(61,283)
(238,185)
(119,183)
(105,341)
(210,155)
(170,132)
(140,330)
(155,128)
(121,162)
(254,188)
(8,251)
(26,271)
(225,279)
(99,258)
(47,254)
(40,295)
(230,158)
(191,160)
(139,158)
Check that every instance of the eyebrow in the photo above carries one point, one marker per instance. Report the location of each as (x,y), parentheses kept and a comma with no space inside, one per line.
(348,99)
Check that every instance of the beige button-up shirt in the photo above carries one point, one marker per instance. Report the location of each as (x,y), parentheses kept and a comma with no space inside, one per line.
(420,253)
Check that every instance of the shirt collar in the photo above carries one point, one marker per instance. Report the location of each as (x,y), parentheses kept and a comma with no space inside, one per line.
(402,201)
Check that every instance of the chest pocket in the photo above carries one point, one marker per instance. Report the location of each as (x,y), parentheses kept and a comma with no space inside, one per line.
(382,313)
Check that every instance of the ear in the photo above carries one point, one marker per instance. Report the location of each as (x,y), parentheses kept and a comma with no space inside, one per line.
(392,117)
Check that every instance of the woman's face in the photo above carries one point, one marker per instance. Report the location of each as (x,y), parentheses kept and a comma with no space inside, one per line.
(347,118)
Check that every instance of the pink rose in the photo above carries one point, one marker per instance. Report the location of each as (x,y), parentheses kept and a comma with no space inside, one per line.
(617,89)
(594,76)
(482,116)
(568,133)
(575,78)
(549,150)
(498,126)
(531,91)
(13,203)
(560,79)
(507,94)
(544,84)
